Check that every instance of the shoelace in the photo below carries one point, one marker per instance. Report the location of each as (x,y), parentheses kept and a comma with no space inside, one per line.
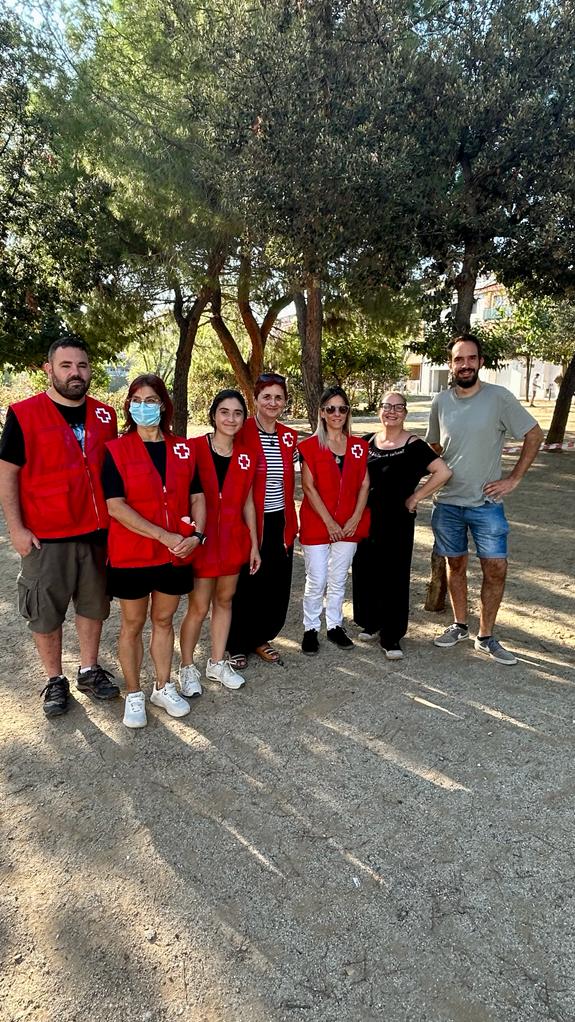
(101,676)
(54,688)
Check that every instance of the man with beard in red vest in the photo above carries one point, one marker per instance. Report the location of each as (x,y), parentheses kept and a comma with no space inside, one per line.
(51,454)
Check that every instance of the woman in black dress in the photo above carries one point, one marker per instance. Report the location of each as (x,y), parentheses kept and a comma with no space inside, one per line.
(397,461)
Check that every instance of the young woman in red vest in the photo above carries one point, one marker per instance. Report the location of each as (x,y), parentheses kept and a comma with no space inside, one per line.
(261,601)
(333,515)
(226,470)
(156,525)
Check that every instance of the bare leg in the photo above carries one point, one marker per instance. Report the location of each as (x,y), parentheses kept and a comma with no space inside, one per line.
(162,643)
(494,573)
(222,613)
(198,606)
(457,585)
(131,647)
(49,646)
(89,632)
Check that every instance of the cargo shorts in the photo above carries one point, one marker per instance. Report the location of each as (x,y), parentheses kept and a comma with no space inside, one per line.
(57,574)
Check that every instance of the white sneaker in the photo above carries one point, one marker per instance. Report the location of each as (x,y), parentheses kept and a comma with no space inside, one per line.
(368,636)
(135,710)
(170,700)
(394,652)
(222,671)
(190,681)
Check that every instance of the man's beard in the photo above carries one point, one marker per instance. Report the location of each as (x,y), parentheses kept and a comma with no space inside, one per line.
(73,390)
(467,381)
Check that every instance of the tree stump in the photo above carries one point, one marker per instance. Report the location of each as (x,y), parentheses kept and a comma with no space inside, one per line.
(437,585)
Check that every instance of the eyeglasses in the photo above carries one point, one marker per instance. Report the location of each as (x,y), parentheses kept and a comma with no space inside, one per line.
(332,409)
(146,401)
(393,408)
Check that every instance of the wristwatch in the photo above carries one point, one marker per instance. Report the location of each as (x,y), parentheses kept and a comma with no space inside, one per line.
(199,535)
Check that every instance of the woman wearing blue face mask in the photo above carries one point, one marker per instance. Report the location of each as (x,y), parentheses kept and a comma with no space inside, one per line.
(156,523)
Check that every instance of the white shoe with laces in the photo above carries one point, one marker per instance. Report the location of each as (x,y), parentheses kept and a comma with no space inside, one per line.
(135,710)
(222,671)
(190,681)
(170,700)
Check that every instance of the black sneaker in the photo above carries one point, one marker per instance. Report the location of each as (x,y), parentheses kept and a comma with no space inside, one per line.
(310,643)
(340,637)
(98,683)
(56,695)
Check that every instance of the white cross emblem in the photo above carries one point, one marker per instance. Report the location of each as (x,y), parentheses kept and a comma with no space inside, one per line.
(182,450)
(103,415)
(287,439)
(357,451)
(244,461)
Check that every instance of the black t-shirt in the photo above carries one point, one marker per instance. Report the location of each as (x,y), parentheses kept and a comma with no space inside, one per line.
(338,458)
(13,450)
(113,484)
(393,476)
(221,465)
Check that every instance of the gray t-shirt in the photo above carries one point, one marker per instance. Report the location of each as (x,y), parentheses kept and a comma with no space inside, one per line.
(471,431)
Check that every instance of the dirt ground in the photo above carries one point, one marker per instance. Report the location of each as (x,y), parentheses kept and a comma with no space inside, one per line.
(344,840)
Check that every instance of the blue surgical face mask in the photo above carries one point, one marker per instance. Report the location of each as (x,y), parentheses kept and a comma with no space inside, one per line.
(145,415)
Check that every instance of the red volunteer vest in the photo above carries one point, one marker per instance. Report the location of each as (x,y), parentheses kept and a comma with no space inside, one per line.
(338,490)
(163,505)
(287,439)
(228,542)
(60,490)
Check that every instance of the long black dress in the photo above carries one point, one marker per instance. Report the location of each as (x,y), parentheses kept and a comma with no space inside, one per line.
(382,564)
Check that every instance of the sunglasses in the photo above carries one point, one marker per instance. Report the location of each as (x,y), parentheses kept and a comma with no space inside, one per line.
(271,378)
(332,409)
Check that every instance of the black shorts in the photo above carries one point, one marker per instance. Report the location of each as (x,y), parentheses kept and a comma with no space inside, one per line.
(135,583)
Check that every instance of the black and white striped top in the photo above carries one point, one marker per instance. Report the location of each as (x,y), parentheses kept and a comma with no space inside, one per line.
(274,498)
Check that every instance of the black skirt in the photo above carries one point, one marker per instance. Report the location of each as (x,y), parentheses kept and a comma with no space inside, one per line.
(135,583)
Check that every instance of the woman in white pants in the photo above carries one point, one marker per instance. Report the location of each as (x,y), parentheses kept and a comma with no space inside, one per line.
(333,516)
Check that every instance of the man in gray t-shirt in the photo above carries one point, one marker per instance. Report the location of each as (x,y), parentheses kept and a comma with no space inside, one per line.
(467,426)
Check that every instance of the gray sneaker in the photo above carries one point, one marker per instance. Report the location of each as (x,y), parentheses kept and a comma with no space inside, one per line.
(494,649)
(451,636)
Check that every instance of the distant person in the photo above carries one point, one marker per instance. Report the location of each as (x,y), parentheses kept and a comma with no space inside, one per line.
(261,600)
(467,425)
(51,454)
(226,470)
(156,527)
(535,386)
(333,516)
(397,461)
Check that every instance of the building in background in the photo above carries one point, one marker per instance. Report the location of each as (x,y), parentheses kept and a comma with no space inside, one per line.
(491,301)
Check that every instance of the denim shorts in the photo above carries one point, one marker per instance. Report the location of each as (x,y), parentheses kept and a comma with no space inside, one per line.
(486,523)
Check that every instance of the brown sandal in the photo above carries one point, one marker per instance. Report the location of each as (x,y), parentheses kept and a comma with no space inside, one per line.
(268,653)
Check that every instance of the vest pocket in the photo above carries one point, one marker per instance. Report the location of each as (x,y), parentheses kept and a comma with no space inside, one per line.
(28,597)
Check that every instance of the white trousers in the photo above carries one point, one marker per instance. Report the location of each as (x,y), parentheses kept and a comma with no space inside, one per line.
(326,564)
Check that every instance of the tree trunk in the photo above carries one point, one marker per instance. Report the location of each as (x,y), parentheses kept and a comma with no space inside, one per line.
(465,284)
(437,585)
(311,346)
(528,366)
(188,324)
(562,408)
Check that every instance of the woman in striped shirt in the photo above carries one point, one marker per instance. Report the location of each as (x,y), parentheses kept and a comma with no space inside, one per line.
(261,601)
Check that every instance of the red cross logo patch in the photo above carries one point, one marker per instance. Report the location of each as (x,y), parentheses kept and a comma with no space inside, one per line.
(182,450)
(357,450)
(287,439)
(103,415)
(244,461)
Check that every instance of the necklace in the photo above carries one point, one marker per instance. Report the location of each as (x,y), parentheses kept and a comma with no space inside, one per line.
(272,436)
(222,454)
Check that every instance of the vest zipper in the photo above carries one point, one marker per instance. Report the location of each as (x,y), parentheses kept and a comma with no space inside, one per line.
(91,486)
